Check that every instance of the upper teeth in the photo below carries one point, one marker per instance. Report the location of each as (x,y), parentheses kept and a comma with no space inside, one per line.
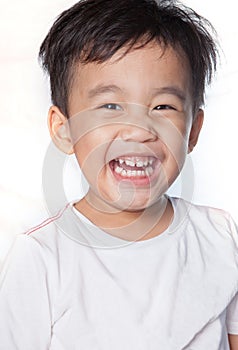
(138,163)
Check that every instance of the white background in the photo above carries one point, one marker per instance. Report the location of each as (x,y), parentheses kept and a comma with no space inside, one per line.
(24,102)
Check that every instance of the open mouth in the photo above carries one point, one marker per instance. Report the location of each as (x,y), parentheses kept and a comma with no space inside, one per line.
(134,168)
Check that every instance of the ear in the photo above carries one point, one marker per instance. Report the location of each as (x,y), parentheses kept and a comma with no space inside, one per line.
(195,130)
(59,130)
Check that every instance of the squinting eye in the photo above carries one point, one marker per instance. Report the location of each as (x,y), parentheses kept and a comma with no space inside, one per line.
(112,106)
(162,107)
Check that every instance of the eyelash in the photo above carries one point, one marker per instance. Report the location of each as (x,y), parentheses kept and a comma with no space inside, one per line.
(164,107)
(119,108)
(106,105)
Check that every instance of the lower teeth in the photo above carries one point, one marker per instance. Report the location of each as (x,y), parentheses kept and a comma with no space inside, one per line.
(134,173)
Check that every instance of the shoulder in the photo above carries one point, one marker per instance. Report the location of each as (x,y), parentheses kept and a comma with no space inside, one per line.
(204,215)
(37,252)
(208,222)
(208,246)
(48,234)
(41,243)
(28,253)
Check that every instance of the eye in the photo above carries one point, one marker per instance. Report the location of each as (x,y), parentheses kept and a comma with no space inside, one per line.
(112,106)
(164,107)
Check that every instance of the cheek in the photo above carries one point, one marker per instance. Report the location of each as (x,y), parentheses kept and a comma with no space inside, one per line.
(91,152)
(175,139)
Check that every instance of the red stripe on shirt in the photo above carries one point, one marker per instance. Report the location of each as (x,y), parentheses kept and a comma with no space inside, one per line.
(48,221)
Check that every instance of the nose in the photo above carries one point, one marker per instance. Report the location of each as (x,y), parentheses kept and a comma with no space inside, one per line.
(136,133)
(137,126)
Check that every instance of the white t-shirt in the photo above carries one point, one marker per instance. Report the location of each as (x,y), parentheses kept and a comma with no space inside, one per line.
(67,285)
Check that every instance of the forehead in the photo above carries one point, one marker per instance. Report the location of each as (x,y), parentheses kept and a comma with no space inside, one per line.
(135,73)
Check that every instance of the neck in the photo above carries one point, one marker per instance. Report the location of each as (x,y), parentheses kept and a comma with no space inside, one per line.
(129,225)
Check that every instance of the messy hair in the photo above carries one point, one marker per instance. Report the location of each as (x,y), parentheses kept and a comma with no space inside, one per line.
(94,30)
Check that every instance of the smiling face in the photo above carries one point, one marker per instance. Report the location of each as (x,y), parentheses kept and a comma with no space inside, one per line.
(132,124)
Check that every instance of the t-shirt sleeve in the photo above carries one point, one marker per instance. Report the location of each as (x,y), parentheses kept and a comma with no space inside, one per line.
(232,310)
(25,322)
(234,231)
(232,316)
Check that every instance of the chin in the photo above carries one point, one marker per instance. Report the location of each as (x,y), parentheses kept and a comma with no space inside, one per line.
(138,203)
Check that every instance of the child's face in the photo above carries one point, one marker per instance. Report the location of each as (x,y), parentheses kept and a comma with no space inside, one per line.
(132,124)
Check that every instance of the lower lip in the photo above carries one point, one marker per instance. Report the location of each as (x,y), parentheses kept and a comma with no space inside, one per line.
(138,180)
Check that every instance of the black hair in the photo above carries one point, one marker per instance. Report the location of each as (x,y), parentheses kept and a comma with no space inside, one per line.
(94,30)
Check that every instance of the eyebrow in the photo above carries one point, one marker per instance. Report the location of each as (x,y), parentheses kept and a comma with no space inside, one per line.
(171,90)
(103,89)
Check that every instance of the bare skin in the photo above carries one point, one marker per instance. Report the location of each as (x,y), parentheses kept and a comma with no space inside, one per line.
(138,109)
(146,97)
(233,341)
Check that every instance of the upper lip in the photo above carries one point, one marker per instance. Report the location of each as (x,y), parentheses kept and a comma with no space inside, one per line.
(123,150)
(134,156)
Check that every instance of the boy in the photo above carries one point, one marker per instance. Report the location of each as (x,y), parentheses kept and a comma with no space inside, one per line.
(127,81)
